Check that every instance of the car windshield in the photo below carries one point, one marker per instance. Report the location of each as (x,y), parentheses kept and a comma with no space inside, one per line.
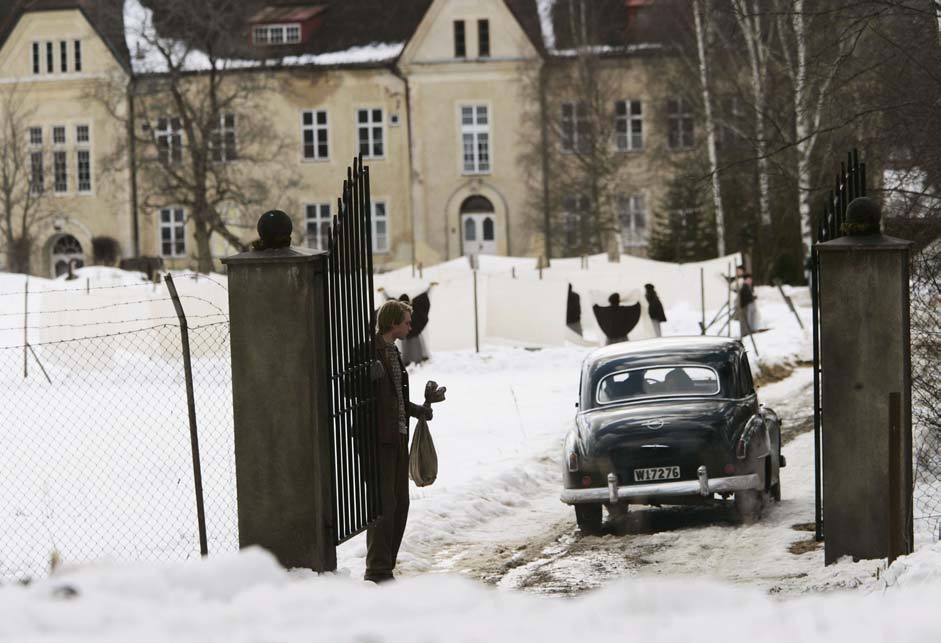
(657,381)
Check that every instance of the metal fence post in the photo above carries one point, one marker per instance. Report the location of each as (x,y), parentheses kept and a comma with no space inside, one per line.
(191,406)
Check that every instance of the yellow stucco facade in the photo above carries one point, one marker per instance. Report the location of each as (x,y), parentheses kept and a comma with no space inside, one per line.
(452,177)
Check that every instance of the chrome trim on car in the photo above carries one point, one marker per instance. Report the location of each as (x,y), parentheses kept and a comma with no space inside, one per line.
(612,489)
(729,484)
(703,480)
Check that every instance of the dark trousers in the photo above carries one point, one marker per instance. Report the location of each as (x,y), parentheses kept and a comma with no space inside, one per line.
(384,537)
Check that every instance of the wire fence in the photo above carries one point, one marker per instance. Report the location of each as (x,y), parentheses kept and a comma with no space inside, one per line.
(926,388)
(95,450)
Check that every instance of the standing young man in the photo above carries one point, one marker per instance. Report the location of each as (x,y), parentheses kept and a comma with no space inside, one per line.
(390,378)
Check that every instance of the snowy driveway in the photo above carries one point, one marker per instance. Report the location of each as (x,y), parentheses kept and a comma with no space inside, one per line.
(494,514)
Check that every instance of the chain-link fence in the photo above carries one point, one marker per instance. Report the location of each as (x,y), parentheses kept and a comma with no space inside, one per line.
(926,387)
(95,449)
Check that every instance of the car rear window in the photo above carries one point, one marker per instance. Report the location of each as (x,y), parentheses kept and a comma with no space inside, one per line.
(657,381)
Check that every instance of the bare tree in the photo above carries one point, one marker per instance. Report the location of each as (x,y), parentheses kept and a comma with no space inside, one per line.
(22,189)
(701,15)
(756,28)
(576,164)
(198,125)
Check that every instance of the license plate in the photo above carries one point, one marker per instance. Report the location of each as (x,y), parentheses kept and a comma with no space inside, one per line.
(656,473)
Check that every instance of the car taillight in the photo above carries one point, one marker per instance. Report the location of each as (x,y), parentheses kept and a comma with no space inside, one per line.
(729,469)
(586,481)
(573,462)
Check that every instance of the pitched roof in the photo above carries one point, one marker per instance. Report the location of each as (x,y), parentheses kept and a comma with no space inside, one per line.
(103,15)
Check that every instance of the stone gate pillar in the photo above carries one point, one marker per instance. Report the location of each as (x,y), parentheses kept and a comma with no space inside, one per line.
(279,398)
(865,359)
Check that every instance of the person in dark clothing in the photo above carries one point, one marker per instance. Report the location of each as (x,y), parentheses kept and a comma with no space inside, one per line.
(748,311)
(615,320)
(654,308)
(573,311)
(394,408)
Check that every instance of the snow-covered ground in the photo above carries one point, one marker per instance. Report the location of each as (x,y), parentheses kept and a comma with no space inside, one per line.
(493,515)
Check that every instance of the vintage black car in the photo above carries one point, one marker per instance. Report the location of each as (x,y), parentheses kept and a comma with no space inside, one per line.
(670,421)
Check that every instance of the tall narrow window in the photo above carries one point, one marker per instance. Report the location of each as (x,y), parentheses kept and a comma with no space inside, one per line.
(60,169)
(63,56)
(77,58)
(380,227)
(460,40)
(37,178)
(475,139)
(369,133)
(37,58)
(222,140)
(628,125)
(50,59)
(632,212)
(314,131)
(169,140)
(318,222)
(172,232)
(83,158)
(58,135)
(680,128)
(575,128)
(483,38)
(574,209)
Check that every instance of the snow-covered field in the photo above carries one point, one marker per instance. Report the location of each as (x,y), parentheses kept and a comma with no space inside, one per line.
(496,499)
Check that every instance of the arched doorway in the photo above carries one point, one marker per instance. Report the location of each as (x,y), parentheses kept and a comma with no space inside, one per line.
(478,226)
(66,248)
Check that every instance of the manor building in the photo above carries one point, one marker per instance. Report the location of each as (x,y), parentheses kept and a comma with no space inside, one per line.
(469,114)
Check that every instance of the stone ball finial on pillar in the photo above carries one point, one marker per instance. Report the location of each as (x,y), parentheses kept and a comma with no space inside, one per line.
(863,216)
(274,231)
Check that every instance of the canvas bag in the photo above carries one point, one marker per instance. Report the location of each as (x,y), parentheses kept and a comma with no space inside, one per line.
(422,457)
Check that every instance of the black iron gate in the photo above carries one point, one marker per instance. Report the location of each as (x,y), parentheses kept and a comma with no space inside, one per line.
(850,183)
(350,322)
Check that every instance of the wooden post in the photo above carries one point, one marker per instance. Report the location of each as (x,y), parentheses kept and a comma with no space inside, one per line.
(476,321)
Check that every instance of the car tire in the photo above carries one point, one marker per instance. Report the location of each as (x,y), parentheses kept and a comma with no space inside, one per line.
(776,490)
(749,504)
(588,518)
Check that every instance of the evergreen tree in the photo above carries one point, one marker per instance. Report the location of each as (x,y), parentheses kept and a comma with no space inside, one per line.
(684,222)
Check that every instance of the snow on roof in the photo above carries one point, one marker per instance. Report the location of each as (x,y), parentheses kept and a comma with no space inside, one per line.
(147,47)
(545,21)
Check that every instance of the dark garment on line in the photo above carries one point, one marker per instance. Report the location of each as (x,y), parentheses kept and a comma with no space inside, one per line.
(655,307)
(617,321)
(384,537)
(745,296)
(573,308)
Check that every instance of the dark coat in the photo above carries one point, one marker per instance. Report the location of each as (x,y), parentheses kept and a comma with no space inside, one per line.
(387,403)
(617,321)
(655,307)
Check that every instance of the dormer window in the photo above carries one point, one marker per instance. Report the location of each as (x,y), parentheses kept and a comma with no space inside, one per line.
(286,34)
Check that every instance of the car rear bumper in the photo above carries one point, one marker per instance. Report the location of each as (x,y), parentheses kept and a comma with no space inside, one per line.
(703,486)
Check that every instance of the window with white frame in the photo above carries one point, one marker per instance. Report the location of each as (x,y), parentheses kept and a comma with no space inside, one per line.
(680,127)
(222,140)
(60,172)
(628,125)
(575,128)
(287,34)
(370,130)
(83,157)
(632,213)
(380,227)
(172,232)
(169,137)
(317,225)
(60,164)
(315,134)
(37,174)
(475,139)
(44,56)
